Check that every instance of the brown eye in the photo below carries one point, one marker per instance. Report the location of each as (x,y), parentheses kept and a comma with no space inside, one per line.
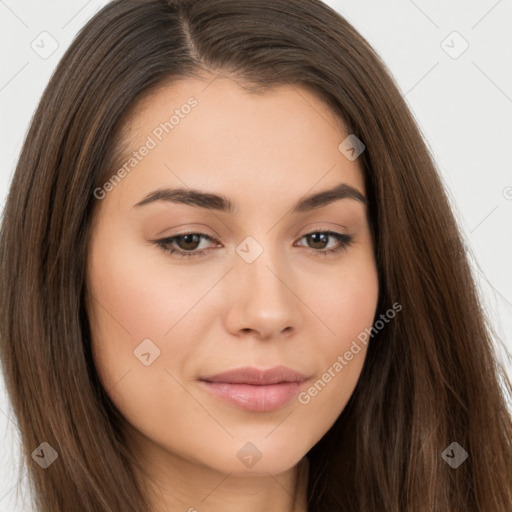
(318,241)
(189,242)
(185,245)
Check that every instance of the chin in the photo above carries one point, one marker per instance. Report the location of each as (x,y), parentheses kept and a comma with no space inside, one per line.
(250,460)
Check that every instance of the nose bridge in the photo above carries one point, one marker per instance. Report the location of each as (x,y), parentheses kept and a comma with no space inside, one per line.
(263,300)
(260,263)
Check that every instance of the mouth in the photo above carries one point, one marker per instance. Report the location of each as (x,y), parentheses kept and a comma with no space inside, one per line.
(255,390)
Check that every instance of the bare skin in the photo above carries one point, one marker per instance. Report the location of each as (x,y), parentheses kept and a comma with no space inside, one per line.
(290,306)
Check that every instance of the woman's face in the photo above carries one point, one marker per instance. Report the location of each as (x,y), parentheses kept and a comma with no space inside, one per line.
(274,281)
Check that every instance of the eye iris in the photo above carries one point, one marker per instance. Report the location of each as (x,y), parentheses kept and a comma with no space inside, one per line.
(189,239)
(314,238)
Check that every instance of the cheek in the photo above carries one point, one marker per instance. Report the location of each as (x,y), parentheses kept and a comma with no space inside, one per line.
(134,290)
(129,303)
(347,302)
(347,306)
(133,307)
(134,300)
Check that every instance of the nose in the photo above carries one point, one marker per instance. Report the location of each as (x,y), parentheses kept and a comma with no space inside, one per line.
(262,302)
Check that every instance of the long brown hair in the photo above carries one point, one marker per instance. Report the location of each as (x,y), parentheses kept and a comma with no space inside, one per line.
(430,378)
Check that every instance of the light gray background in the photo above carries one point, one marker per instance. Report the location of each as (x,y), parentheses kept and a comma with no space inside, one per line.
(463,106)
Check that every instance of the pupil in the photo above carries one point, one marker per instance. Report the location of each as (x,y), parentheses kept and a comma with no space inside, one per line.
(187,239)
(318,238)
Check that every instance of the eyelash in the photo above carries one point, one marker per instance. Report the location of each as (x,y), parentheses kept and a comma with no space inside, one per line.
(165,244)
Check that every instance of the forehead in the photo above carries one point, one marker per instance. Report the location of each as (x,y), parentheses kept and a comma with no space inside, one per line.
(232,99)
(215,112)
(213,134)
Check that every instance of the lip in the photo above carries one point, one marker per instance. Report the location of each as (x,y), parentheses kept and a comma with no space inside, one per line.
(255,390)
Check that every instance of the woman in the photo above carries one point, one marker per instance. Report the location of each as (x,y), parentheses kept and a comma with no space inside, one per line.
(231,278)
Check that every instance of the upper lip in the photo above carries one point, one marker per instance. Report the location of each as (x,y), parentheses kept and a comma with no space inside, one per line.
(250,375)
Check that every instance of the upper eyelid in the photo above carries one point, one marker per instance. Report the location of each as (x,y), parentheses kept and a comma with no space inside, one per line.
(171,239)
(317,227)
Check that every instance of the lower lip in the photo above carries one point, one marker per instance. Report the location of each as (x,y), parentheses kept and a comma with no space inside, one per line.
(255,398)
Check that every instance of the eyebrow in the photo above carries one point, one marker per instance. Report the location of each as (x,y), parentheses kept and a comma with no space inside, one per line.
(193,197)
